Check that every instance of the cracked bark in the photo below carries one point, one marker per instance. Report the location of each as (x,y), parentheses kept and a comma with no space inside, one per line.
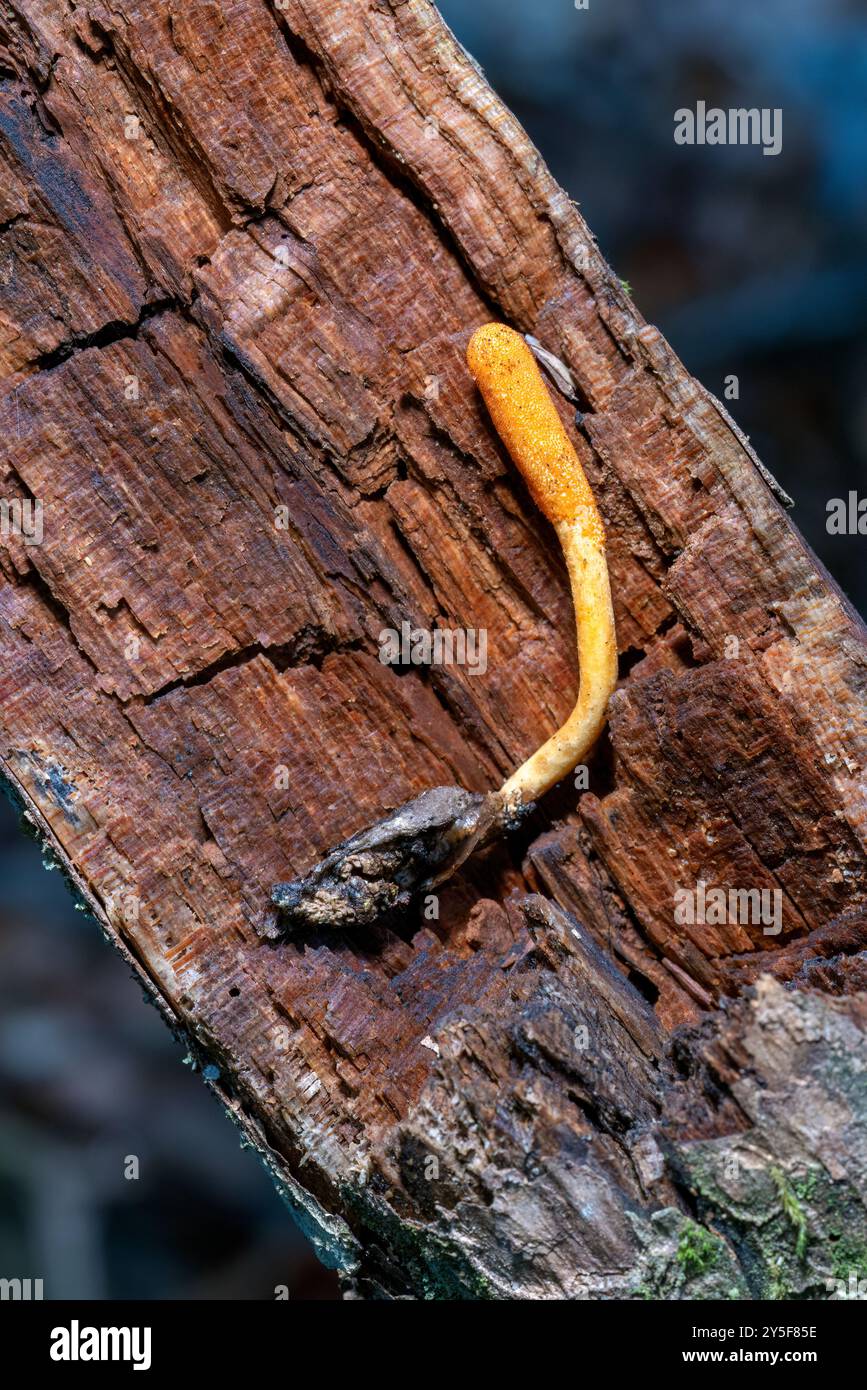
(258,307)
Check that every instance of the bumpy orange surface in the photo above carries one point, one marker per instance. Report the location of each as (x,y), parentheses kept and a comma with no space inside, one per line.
(526,420)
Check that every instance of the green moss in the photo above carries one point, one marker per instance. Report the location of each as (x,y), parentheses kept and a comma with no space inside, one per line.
(697,1250)
(849,1256)
(805,1188)
(682,1259)
(792,1210)
(778,1285)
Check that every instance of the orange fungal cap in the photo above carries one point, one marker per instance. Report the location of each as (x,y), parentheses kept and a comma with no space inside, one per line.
(526,419)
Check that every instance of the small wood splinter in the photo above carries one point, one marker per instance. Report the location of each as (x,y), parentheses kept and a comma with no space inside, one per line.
(422,843)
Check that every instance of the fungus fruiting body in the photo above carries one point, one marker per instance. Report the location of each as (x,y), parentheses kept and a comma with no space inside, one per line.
(423,842)
(526,420)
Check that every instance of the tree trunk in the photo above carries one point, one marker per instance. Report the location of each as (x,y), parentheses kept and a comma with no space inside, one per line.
(243,249)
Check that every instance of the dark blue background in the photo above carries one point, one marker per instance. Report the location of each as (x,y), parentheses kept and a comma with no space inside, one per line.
(749,264)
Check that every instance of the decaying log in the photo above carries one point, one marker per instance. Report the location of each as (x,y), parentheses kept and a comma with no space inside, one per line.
(242,249)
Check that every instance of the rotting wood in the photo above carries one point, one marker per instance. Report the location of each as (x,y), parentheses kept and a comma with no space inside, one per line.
(241,253)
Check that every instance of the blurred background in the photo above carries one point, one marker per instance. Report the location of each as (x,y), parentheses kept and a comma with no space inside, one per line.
(751,266)
(91,1083)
